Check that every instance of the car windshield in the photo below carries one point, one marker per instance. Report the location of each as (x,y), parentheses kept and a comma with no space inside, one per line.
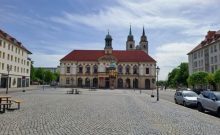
(190,94)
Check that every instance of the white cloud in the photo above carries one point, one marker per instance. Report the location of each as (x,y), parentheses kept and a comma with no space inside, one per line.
(170,55)
(150,13)
(44,60)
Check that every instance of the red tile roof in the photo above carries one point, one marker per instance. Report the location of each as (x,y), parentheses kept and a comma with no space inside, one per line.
(211,37)
(11,39)
(122,56)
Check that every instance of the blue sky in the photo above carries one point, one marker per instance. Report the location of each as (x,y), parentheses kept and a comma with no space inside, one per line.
(52,28)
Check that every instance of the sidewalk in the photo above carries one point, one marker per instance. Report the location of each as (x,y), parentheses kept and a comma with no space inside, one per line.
(12,90)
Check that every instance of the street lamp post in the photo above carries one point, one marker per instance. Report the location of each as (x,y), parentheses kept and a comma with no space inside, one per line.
(8,69)
(157,71)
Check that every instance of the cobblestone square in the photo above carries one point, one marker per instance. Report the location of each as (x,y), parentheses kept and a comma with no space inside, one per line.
(102,112)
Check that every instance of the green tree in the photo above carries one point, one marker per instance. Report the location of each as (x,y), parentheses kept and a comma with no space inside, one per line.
(40,74)
(171,82)
(211,80)
(198,79)
(217,77)
(49,76)
(182,74)
(56,76)
(32,74)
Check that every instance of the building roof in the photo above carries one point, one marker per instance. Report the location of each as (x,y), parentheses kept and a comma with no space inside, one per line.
(122,56)
(211,37)
(11,39)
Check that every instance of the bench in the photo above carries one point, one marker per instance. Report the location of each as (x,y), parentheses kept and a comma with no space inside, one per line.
(73,91)
(4,106)
(92,88)
(18,102)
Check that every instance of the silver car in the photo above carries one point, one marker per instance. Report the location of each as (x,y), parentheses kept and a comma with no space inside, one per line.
(209,100)
(186,98)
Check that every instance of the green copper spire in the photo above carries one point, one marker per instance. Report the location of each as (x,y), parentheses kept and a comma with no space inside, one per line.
(143,34)
(130,33)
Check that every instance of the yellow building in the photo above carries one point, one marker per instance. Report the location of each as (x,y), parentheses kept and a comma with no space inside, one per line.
(108,68)
(14,62)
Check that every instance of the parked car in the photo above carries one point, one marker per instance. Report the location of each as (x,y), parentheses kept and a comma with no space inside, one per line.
(209,100)
(186,98)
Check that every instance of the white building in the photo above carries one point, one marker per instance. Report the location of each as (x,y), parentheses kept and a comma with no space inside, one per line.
(206,55)
(13,58)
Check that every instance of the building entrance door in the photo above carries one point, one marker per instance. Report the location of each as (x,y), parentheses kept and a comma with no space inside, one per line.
(107,82)
(3,82)
(147,84)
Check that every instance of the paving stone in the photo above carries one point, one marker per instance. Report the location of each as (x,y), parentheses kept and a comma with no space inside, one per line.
(102,112)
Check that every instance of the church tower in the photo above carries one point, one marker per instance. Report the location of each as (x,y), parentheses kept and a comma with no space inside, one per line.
(108,44)
(144,43)
(130,43)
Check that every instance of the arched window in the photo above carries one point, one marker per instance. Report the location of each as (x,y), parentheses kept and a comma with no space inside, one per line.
(120,83)
(95,82)
(79,82)
(135,70)
(131,46)
(120,69)
(128,83)
(87,69)
(95,69)
(127,71)
(87,82)
(80,69)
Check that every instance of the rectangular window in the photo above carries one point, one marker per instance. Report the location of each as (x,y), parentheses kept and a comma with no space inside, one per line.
(3,55)
(147,71)
(195,55)
(0,54)
(3,66)
(8,56)
(0,43)
(67,69)
(195,64)
(216,67)
(215,48)
(211,49)
(216,60)
(67,81)
(9,46)
(211,60)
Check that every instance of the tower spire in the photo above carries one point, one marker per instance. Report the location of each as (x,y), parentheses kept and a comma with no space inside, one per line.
(143,34)
(130,33)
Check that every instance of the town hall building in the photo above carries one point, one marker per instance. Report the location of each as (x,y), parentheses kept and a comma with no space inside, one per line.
(109,68)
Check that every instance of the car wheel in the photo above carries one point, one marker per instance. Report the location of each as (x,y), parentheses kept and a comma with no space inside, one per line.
(175,101)
(218,112)
(200,108)
(184,103)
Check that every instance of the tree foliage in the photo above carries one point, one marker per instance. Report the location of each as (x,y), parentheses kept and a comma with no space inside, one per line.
(217,77)
(198,78)
(178,76)
(42,75)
